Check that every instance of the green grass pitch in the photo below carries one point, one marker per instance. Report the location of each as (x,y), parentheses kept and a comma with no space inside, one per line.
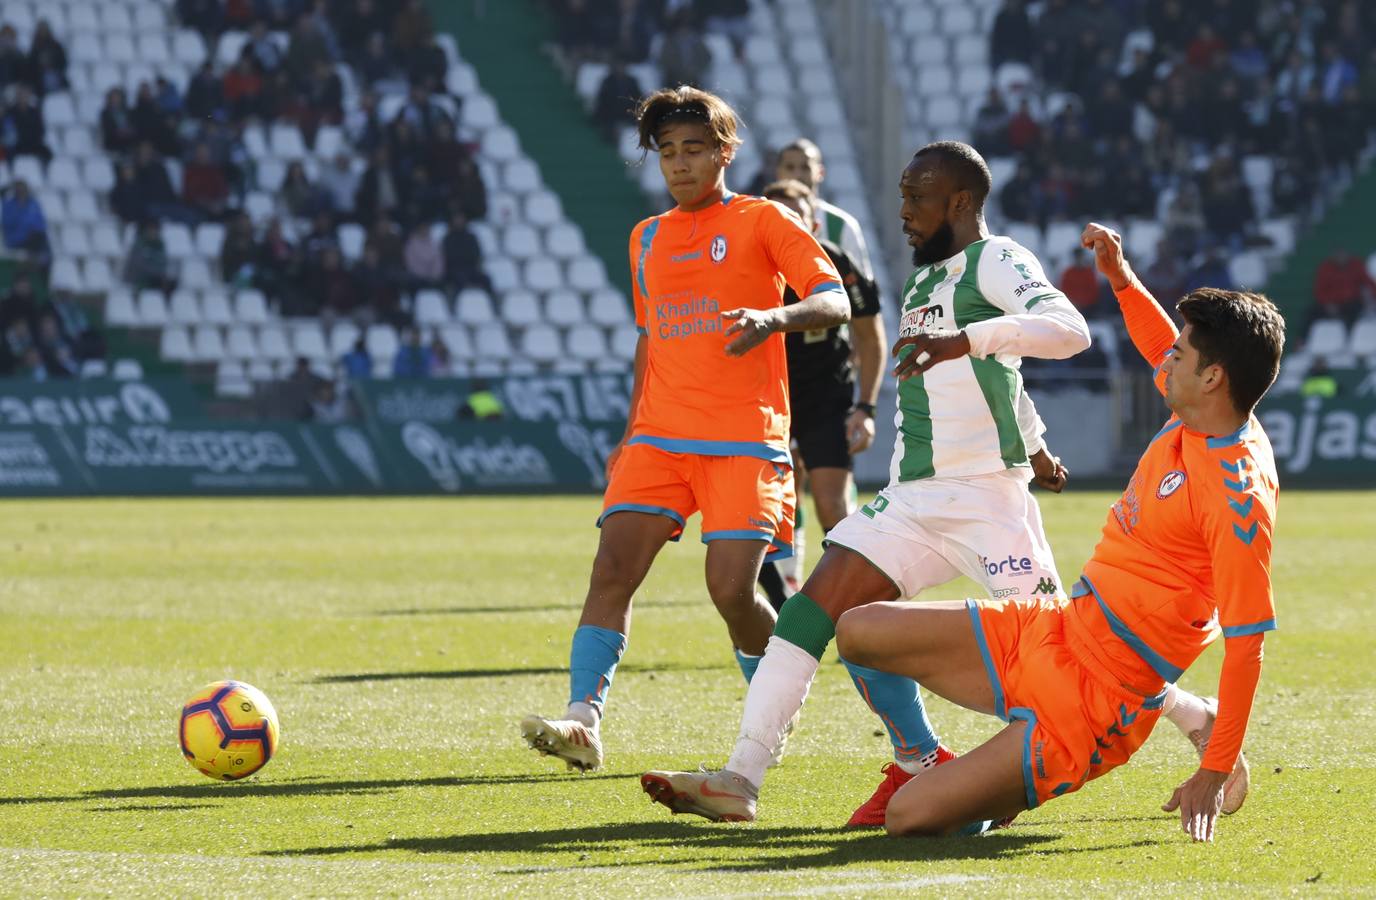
(401,640)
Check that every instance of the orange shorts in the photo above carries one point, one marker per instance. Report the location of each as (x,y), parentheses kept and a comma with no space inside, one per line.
(741,497)
(1081,722)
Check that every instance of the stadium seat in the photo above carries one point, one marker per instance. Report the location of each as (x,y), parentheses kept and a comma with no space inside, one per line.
(329,143)
(152,306)
(587,342)
(231,380)
(188,48)
(94,368)
(216,309)
(461,80)
(624,341)
(240,343)
(504,274)
(210,238)
(382,344)
(72,241)
(542,207)
(1029,236)
(286,143)
(479,112)
(308,340)
(149,16)
(587,274)
(974,82)
(522,242)
(174,344)
(431,308)
(544,275)
(352,237)
(105,241)
(1248,270)
(207,344)
(259,207)
(944,113)
(565,241)
(917,20)
(491,342)
(269,174)
(78,145)
(936,81)
(82,207)
(588,80)
(1327,337)
(608,308)
(826,114)
(119,48)
(273,344)
(519,366)
(1062,239)
(195,273)
(260,371)
(456,338)
(775,82)
(343,336)
(251,307)
(1362,344)
(541,344)
(98,174)
(184,308)
(568,366)
(521,309)
(59,112)
(96,275)
(85,48)
(520,176)
(176,239)
(1143,238)
(256,142)
(126,369)
(565,308)
(152,49)
(120,308)
(1281,231)
(500,145)
(474,307)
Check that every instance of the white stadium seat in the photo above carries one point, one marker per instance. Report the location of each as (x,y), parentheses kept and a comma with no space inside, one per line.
(431,308)
(521,308)
(308,340)
(543,275)
(251,307)
(174,344)
(565,308)
(240,343)
(491,342)
(1327,337)
(473,307)
(152,309)
(609,308)
(216,309)
(273,344)
(185,308)
(207,344)
(541,344)
(587,342)
(587,274)
(456,338)
(502,272)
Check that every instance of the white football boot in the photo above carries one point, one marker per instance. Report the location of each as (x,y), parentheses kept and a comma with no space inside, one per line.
(719,796)
(568,739)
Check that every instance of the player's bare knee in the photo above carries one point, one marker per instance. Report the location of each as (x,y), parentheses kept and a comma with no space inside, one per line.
(613,570)
(852,629)
(913,821)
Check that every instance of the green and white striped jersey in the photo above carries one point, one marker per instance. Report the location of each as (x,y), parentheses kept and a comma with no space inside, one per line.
(842,229)
(961,417)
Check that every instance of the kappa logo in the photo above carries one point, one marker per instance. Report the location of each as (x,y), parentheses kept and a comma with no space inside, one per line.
(1170,484)
(718,249)
(1047,586)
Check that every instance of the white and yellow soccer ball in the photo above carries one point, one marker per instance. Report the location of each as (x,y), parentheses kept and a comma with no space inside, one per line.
(228,730)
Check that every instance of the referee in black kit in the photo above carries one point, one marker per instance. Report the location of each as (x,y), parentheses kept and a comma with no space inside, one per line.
(829,424)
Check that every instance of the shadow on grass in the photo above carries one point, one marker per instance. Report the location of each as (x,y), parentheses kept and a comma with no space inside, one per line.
(301,787)
(739,849)
(460,674)
(478,610)
(152,807)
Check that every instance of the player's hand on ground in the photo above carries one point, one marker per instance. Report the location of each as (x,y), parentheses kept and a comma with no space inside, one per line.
(1047,471)
(1107,246)
(1199,800)
(751,327)
(928,350)
(859,431)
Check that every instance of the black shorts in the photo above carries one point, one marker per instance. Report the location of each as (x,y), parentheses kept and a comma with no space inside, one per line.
(819,425)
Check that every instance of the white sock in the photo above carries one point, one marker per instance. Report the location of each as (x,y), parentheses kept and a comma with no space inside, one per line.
(1187,711)
(776,692)
(583,712)
(913,766)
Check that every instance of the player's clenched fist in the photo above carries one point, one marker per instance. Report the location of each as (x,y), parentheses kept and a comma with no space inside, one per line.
(1107,246)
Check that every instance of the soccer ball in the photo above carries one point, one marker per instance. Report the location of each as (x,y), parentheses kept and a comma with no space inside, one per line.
(228,730)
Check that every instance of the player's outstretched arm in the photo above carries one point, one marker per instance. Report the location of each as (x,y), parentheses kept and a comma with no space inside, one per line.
(1200,800)
(1151,330)
(822,309)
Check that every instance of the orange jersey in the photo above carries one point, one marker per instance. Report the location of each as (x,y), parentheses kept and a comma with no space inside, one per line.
(1185,553)
(687,269)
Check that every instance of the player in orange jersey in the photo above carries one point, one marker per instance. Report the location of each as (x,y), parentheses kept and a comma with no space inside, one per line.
(709,423)
(1184,558)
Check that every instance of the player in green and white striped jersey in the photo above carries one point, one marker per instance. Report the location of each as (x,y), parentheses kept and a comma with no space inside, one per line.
(957,501)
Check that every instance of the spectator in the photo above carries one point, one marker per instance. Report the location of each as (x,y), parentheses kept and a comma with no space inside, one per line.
(13,64)
(1016,195)
(471,190)
(1165,278)
(463,263)
(302,199)
(1205,48)
(428,65)
(155,187)
(297,390)
(340,184)
(22,132)
(1336,74)
(330,289)
(328,404)
(482,404)
(31,365)
(166,96)
(1080,284)
(364,19)
(278,263)
(364,127)
(683,56)
(310,45)
(262,50)
(56,351)
(1227,203)
(243,90)
(617,96)
(324,97)
(205,16)
(22,221)
(412,359)
(18,304)
(424,261)
(991,125)
(205,95)
(357,364)
(1009,38)
(76,326)
(378,286)
(47,61)
(441,364)
(151,124)
(1319,381)
(148,265)
(126,199)
(411,28)
(426,202)
(204,187)
(637,26)
(378,192)
(377,64)
(239,253)
(1023,130)
(1212,271)
(1342,287)
(1184,219)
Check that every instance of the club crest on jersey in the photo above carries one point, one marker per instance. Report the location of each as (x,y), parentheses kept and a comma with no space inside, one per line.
(718,250)
(1170,484)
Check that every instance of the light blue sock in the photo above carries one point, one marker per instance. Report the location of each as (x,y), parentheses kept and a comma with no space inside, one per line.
(748,664)
(897,701)
(975,828)
(592,663)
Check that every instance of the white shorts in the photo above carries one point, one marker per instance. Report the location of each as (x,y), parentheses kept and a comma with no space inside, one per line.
(925,533)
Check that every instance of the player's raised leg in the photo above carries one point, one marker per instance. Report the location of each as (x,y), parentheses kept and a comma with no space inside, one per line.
(628,545)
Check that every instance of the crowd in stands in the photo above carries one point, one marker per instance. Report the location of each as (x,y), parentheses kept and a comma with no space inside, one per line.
(44,339)
(1164,99)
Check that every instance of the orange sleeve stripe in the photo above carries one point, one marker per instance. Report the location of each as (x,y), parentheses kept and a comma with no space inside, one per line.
(1237,685)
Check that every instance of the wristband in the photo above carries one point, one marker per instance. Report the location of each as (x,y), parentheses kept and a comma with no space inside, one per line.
(866,408)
